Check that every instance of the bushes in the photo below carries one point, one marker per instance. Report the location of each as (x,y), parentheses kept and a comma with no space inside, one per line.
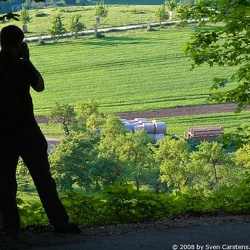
(120,203)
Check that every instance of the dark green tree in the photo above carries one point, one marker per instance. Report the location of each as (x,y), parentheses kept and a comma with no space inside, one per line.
(63,113)
(211,166)
(135,152)
(172,156)
(72,160)
(222,38)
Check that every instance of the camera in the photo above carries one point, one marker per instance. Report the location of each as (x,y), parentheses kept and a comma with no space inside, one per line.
(24,45)
(24,52)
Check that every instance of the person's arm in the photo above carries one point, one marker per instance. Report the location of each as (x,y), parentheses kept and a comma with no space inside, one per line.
(39,85)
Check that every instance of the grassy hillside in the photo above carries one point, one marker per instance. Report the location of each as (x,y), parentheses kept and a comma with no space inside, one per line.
(117,15)
(124,72)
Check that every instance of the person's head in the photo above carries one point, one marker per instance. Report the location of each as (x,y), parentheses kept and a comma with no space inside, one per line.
(11,37)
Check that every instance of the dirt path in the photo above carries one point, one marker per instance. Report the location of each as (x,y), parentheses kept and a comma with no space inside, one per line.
(170,112)
(182,111)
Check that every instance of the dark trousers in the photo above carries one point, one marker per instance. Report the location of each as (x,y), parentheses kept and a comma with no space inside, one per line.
(31,146)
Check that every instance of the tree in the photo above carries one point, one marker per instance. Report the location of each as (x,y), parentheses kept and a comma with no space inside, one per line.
(173,158)
(211,165)
(56,28)
(88,116)
(64,114)
(75,25)
(101,10)
(106,171)
(71,161)
(222,38)
(171,5)
(86,109)
(24,17)
(111,133)
(161,13)
(243,156)
(135,152)
(111,137)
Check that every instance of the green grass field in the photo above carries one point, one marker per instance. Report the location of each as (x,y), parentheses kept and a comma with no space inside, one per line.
(129,71)
(134,70)
(229,121)
(122,14)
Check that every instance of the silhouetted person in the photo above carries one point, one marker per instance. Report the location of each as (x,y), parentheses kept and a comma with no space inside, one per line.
(20,135)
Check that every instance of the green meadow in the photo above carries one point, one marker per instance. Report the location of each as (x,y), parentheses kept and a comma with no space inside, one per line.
(136,70)
(133,70)
(229,121)
(129,71)
(118,15)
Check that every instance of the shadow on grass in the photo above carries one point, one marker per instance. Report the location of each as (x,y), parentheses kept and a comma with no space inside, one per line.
(112,41)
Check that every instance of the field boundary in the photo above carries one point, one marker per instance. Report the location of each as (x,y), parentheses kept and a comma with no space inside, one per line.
(107,29)
(171,112)
(182,111)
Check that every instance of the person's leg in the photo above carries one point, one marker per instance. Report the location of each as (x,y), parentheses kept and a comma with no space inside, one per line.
(8,185)
(34,155)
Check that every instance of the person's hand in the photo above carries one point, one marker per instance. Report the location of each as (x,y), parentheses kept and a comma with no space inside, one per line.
(24,53)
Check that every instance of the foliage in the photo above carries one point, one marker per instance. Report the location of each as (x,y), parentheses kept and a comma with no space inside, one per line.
(120,203)
(75,25)
(222,38)
(101,10)
(211,166)
(239,138)
(56,28)
(24,15)
(32,213)
(64,114)
(86,109)
(173,157)
(243,156)
(72,160)
(23,176)
(161,13)
(135,151)
(171,4)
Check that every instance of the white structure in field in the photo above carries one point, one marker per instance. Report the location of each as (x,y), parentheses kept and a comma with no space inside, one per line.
(154,128)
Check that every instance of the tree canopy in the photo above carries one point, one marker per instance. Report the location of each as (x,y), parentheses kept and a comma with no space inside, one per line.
(223,38)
